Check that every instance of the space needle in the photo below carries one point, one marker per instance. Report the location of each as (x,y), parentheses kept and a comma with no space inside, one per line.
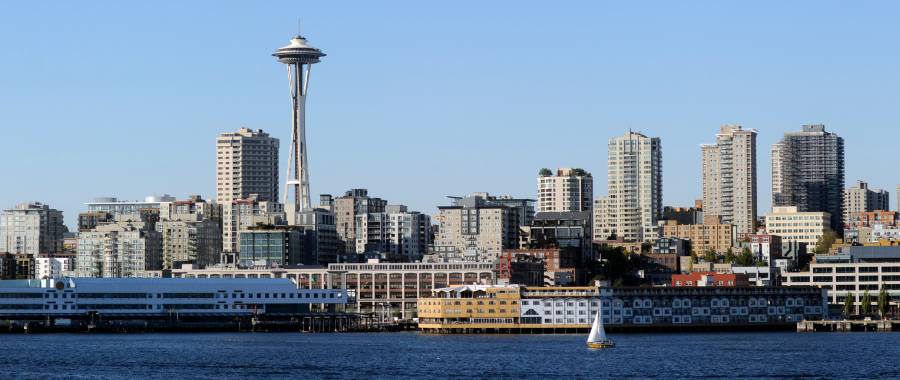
(299,57)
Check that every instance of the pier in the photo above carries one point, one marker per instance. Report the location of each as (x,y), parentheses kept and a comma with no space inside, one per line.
(94,322)
(517,328)
(845,325)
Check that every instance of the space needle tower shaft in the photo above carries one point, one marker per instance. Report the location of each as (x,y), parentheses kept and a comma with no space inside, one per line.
(298,57)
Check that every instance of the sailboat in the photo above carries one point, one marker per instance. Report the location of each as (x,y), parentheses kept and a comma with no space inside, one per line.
(597,338)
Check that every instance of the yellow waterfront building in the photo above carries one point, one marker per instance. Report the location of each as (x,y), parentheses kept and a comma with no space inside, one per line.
(475,306)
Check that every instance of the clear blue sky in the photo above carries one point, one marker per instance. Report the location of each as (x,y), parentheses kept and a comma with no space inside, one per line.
(417,100)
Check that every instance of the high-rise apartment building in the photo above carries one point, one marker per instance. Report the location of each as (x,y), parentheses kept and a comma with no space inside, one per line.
(777,170)
(808,167)
(477,227)
(860,198)
(346,209)
(246,182)
(191,232)
(568,190)
(602,221)
(729,177)
(634,202)
(31,229)
(120,249)
(246,163)
(397,233)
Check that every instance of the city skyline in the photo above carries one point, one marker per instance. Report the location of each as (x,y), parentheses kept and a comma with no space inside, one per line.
(184,109)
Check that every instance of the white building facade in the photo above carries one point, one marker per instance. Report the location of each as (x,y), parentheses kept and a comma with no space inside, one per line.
(567,190)
(121,249)
(729,177)
(795,226)
(634,202)
(52,267)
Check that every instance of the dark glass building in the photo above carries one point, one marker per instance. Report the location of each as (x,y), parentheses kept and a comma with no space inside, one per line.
(808,172)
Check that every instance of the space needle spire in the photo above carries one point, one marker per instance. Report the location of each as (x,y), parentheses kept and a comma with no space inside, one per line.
(298,57)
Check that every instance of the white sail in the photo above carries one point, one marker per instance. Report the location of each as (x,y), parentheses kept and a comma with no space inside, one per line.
(598,333)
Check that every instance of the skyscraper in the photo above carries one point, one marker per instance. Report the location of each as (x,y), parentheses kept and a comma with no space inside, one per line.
(299,57)
(566,191)
(246,169)
(777,171)
(809,167)
(634,203)
(729,177)
(246,163)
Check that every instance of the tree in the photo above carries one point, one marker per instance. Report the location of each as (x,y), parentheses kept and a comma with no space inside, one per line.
(710,256)
(866,304)
(746,251)
(883,302)
(825,242)
(695,258)
(545,172)
(729,256)
(848,305)
(745,259)
(581,172)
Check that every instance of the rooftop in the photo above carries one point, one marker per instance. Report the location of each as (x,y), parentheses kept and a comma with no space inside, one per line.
(298,51)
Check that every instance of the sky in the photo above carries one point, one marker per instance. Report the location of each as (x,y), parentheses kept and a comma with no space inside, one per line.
(419,100)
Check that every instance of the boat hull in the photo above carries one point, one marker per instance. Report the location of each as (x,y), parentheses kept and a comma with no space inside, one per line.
(601,345)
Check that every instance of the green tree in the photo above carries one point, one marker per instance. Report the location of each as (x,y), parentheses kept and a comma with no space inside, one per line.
(695,259)
(710,256)
(865,304)
(825,242)
(848,305)
(745,259)
(729,256)
(545,172)
(883,302)
(581,172)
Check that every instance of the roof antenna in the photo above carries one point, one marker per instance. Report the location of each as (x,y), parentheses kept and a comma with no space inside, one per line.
(298,26)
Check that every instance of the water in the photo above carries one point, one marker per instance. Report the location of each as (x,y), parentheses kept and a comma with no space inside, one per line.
(412,355)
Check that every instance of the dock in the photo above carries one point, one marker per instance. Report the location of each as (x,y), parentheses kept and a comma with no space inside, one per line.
(846,325)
